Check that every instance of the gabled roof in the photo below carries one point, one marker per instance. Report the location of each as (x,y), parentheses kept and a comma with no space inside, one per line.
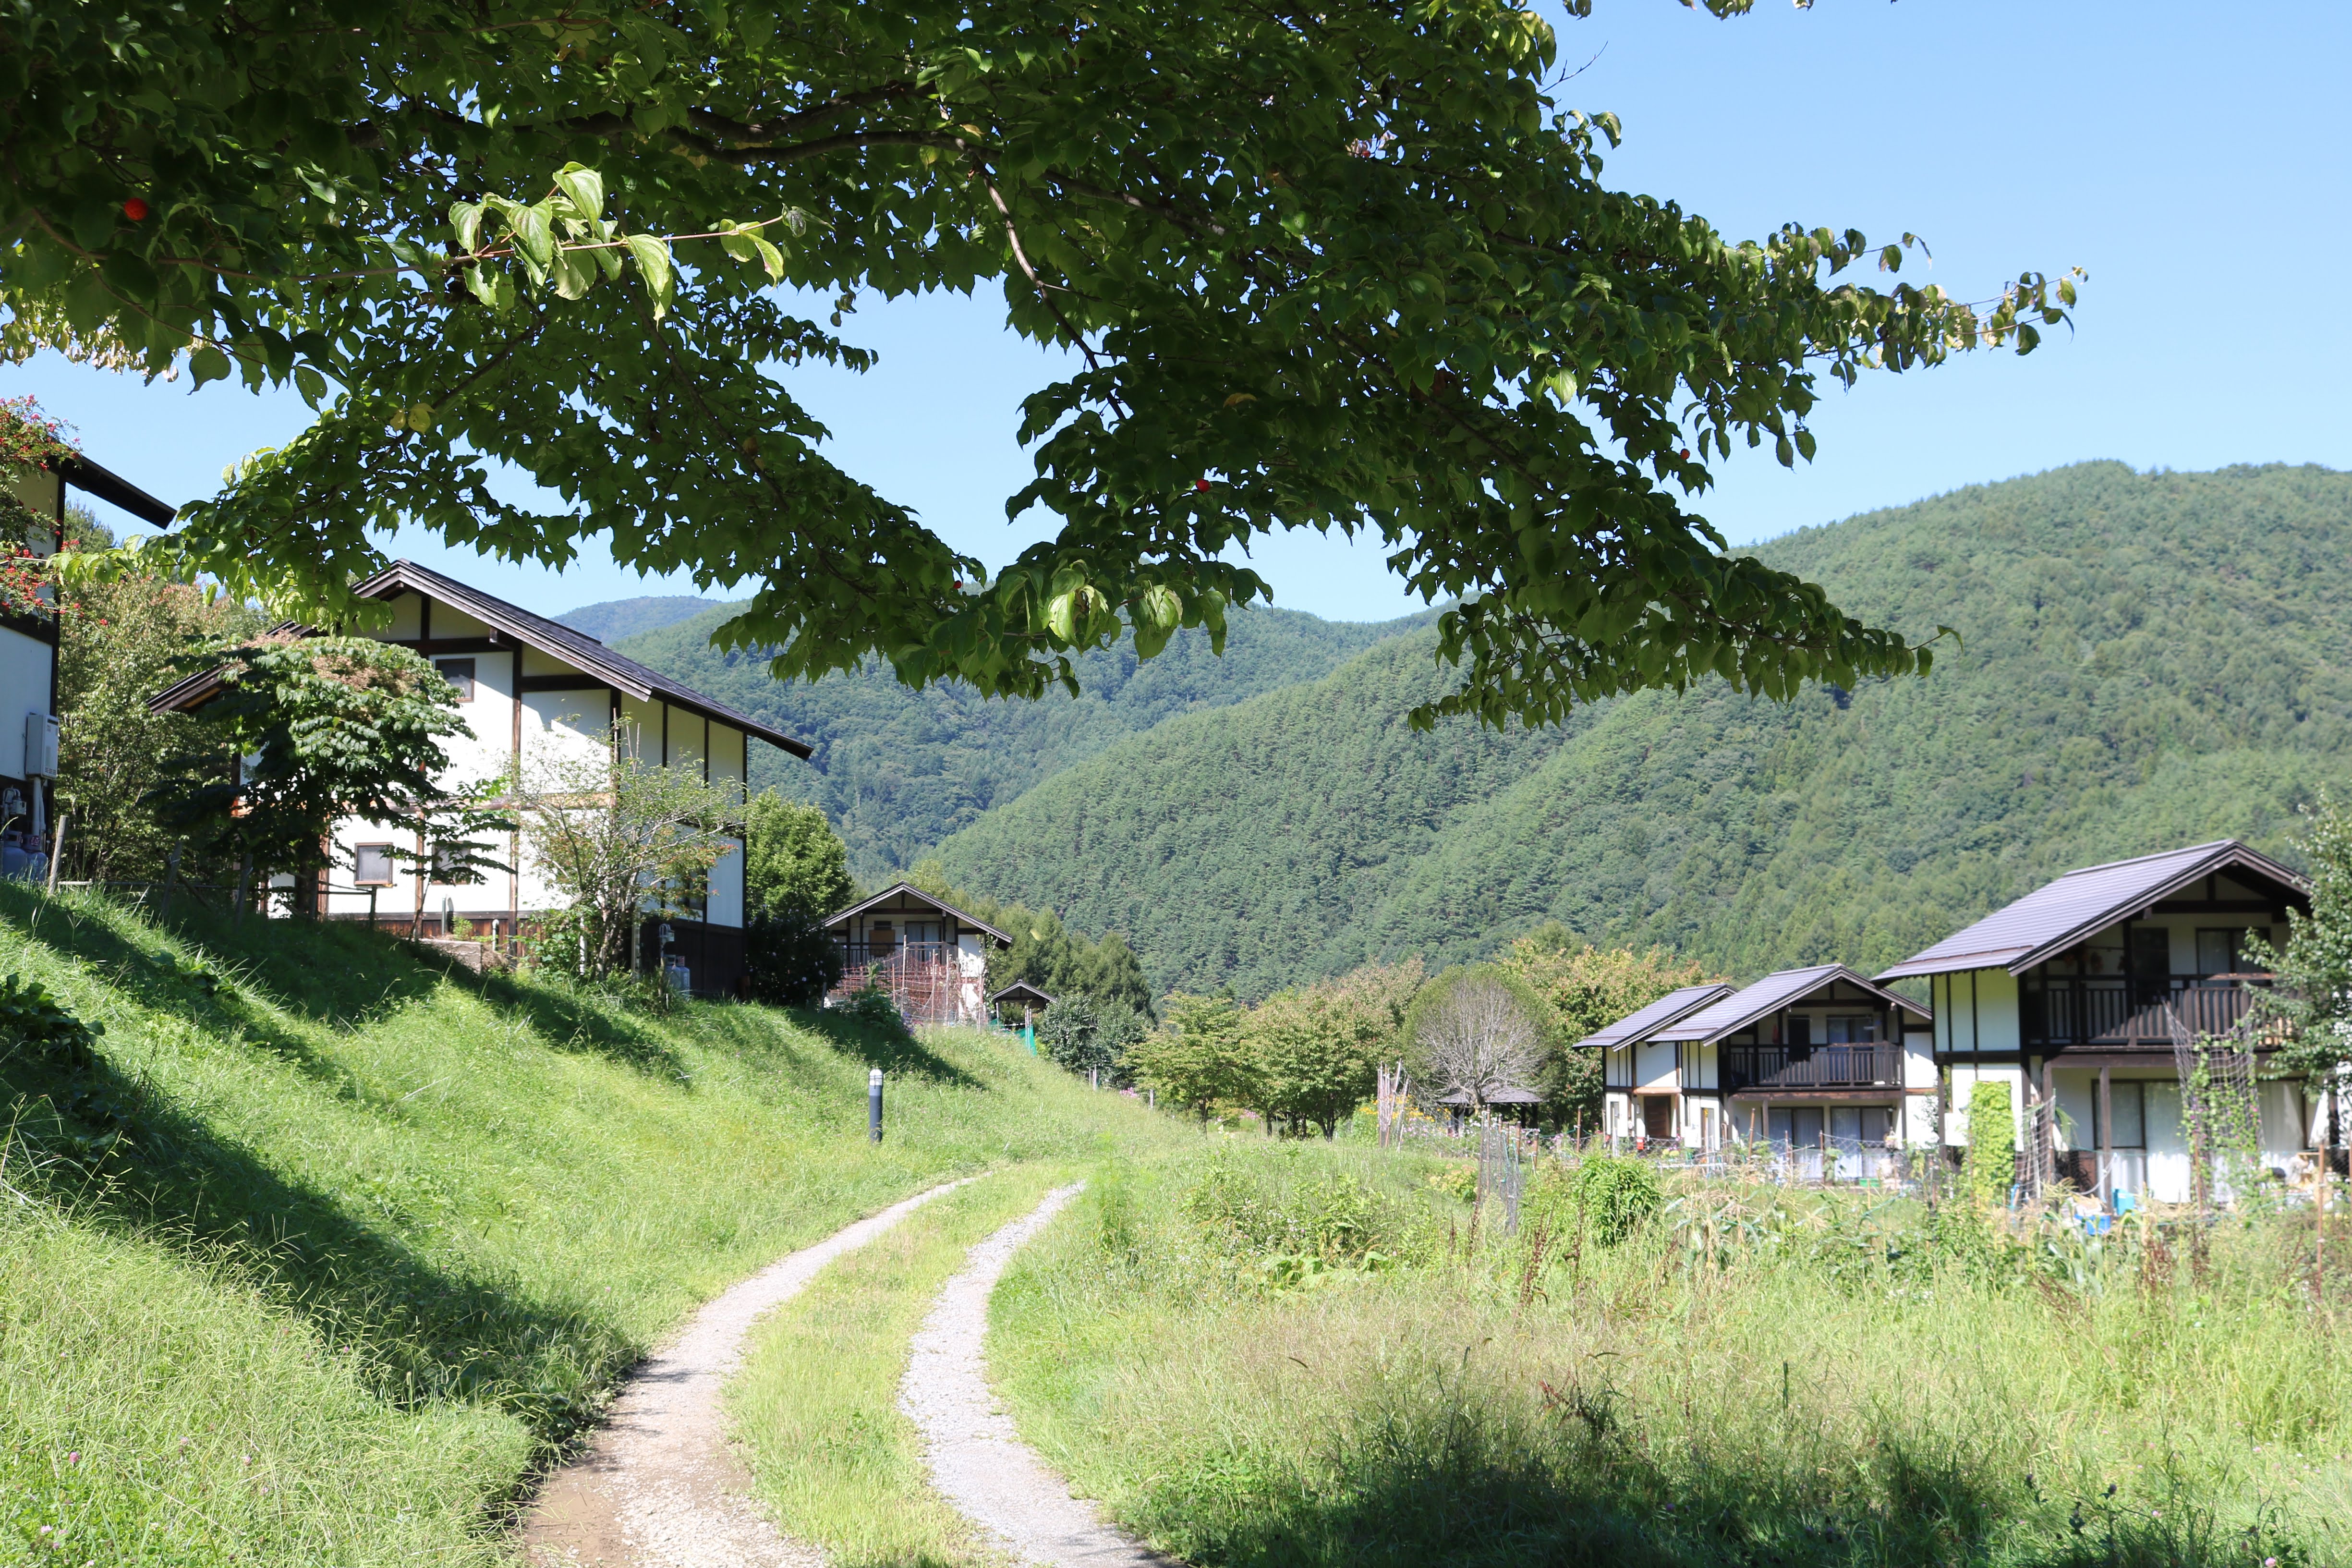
(552,638)
(2056,916)
(1018,990)
(912,892)
(1769,996)
(1643,1023)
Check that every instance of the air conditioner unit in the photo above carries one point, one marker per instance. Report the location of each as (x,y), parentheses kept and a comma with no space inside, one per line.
(40,746)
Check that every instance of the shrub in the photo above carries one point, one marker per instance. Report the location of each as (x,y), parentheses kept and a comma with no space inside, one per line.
(793,962)
(1990,1167)
(30,1016)
(871,1005)
(1615,1198)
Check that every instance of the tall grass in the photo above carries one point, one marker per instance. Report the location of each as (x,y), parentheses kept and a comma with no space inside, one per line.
(332,1244)
(1819,1381)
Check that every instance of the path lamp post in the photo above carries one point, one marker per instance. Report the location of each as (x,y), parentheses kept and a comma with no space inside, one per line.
(873,1106)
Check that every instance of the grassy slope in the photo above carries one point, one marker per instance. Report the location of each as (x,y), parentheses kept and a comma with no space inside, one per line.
(2145,661)
(381,1236)
(898,770)
(1621,1407)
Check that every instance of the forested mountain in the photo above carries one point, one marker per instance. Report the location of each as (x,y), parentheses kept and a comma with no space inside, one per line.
(898,771)
(2143,660)
(614,619)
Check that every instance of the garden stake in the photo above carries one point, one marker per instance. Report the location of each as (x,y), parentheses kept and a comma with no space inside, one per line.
(873,1106)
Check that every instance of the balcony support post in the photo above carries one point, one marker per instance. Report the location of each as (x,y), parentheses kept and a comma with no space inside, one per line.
(2107,1139)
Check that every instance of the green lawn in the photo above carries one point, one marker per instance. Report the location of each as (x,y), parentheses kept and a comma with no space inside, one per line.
(377,1238)
(1824,1381)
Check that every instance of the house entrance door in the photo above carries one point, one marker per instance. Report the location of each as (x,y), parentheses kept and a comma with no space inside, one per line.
(1657,1116)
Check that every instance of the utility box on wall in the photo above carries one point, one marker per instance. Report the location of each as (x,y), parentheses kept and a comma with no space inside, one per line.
(40,746)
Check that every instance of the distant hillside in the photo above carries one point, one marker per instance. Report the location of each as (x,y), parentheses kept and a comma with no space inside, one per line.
(611,621)
(898,771)
(2145,661)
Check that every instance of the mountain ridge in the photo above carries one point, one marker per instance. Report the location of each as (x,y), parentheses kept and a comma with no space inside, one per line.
(2142,660)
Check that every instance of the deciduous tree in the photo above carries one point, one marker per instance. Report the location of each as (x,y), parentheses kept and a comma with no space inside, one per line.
(1475,1031)
(1352,268)
(1199,1059)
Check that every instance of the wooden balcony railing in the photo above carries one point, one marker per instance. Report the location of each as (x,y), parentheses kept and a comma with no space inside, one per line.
(1871,1066)
(2126,1011)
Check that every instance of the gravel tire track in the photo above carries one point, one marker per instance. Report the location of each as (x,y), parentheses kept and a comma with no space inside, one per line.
(976,1458)
(659,1486)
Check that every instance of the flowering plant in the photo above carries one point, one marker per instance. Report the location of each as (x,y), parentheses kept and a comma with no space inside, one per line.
(29,439)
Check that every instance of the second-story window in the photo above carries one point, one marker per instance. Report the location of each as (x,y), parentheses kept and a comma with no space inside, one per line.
(460,673)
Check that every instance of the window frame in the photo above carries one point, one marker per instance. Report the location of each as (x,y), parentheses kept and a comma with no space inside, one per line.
(441,667)
(361,880)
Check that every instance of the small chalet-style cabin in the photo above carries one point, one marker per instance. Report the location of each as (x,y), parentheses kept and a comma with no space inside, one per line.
(1643,1088)
(1815,1059)
(29,649)
(2068,995)
(930,955)
(531,691)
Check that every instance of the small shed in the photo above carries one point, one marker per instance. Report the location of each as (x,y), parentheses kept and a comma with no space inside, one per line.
(1030,1000)
(1518,1103)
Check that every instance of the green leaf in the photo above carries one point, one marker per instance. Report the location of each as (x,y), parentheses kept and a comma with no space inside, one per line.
(771,258)
(466,222)
(534,238)
(573,272)
(585,186)
(652,257)
(209,364)
(311,384)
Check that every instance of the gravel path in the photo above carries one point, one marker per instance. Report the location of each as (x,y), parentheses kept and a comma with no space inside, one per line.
(976,1458)
(659,1488)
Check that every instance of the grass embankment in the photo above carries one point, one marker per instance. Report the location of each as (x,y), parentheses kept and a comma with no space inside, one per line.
(374,1237)
(1806,1381)
(817,1404)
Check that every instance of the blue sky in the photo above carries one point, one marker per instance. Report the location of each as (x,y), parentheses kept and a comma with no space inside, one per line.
(2185,153)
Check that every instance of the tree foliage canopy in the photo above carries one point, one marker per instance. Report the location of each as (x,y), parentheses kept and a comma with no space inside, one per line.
(1347,267)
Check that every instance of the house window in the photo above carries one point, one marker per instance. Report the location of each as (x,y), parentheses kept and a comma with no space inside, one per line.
(1852,1029)
(2151,951)
(460,673)
(2130,1098)
(2217,951)
(1801,1029)
(372,865)
(1796,1126)
(450,862)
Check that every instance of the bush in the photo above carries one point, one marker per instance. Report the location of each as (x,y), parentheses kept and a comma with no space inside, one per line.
(793,962)
(1990,1166)
(1083,1034)
(871,1005)
(1615,1198)
(30,1016)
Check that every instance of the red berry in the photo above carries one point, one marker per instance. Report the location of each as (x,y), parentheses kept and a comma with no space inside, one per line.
(1200,484)
(1685,454)
(135,210)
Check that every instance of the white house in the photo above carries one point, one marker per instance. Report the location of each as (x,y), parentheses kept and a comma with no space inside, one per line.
(930,955)
(2068,995)
(530,690)
(1819,1060)
(28,651)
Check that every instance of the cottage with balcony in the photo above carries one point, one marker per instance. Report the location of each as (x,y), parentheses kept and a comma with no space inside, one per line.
(2070,996)
(930,955)
(1819,1061)
(531,692)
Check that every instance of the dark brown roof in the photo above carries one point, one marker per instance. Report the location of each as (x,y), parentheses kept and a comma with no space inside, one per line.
(919,896)
(552,638)
(2058,914)
(1017,991)
(95,479)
